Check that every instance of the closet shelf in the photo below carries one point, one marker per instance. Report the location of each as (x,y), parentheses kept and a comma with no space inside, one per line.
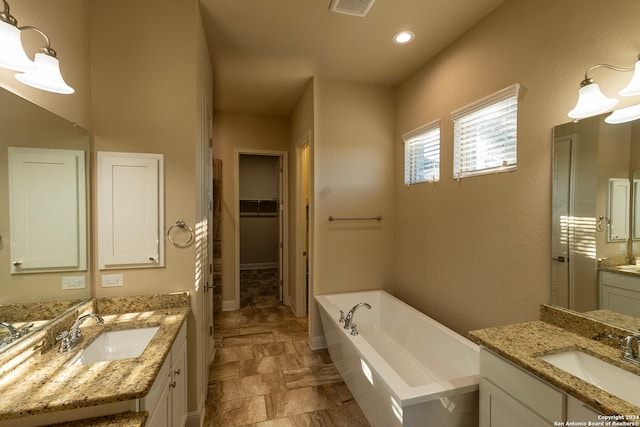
(258,208)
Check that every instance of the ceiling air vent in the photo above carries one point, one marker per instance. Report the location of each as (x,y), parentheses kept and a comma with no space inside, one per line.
(352,7)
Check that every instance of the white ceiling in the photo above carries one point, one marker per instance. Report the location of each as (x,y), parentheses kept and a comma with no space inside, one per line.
(265,51)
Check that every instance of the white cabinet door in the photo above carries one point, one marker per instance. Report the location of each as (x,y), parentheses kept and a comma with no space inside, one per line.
(179,387)
(130,210)
(618,207)
(47,196)
(578,411)
(499,409)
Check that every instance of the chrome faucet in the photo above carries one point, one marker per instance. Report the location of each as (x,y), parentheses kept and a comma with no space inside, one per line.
(68,338)
(14,334)
(630,353)
(12,331)
(348,321)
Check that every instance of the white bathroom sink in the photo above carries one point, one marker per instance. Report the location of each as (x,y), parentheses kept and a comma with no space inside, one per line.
(116,345)
(606,376)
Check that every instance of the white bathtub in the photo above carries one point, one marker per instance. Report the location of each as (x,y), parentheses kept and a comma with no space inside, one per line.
(404,368)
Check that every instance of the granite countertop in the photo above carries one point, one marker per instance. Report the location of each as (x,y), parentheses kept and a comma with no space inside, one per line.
(125,419)
(628,269)
(523,343)
(43,382)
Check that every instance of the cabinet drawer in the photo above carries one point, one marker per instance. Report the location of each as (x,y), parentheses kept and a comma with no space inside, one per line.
(532,392)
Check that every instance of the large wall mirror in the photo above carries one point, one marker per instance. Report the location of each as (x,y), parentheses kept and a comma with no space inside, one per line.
(44,173)
(595,210)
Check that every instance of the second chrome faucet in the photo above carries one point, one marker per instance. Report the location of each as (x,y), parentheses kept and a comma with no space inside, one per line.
(348,321)
(68,338)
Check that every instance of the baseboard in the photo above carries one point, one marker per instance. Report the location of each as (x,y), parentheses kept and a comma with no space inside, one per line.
(229,305)
(195,419)
(318,343)
(257,265)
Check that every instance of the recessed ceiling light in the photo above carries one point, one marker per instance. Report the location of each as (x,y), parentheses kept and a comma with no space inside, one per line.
(403,37)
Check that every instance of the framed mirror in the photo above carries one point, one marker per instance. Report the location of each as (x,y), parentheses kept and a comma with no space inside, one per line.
(595,215)
(42,201)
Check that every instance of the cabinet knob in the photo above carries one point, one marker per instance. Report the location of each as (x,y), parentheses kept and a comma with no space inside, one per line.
(177,372)
(172,385)
(17,263)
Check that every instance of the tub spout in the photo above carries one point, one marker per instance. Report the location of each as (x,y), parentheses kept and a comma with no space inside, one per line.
(349,319)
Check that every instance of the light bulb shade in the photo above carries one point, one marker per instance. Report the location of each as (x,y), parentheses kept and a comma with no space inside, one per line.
(633,88)
(12,54)
(624,115)
(46,75)
(591,102)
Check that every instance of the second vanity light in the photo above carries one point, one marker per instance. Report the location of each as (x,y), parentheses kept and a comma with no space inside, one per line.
(44,71)
(591,101)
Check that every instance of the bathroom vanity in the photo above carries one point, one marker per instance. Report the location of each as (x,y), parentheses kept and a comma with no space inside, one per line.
(41,385)
(523,384)
(620,289)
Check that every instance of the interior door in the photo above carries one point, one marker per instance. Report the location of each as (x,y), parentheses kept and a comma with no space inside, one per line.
(562,222)
(208,213)
(280,230)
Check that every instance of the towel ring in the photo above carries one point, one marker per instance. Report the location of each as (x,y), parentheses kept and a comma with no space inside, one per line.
(181,225)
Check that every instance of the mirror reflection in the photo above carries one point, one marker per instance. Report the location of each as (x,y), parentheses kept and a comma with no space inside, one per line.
(596,218)
(36,283)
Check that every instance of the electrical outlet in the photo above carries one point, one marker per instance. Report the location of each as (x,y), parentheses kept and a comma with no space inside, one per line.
(73,282)
(112,280)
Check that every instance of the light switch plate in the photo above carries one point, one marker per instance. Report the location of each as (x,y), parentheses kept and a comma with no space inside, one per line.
(73,282)
(112,280)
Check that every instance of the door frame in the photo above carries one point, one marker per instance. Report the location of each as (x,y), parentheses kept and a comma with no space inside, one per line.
(564,266)
(284,222)
(302,232)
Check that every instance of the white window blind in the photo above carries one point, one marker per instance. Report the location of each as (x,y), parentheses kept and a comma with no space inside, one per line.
(422,154)
(485,135)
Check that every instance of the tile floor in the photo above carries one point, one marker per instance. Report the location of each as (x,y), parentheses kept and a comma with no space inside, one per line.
(258,287)
(265,375)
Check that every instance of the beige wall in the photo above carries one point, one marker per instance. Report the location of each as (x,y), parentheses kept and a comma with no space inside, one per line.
(232,132)
(476,253)
(302,132)
(148,66)
(138,76)
(353,177)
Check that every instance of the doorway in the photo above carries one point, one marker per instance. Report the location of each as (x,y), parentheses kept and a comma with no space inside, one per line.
(261,240)
(563,219)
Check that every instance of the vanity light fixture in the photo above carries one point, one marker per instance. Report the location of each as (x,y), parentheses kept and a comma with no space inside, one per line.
(591,100)
(403,37)
(44,71)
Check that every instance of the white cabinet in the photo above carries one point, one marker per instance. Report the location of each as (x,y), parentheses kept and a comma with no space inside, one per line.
(578,411)
(510,396)
(47,205)
(620,293)
(130,210)
(500,409)
(167,399)
(618,206)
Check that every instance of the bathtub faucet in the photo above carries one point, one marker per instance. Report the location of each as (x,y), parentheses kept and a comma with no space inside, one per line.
(349,319)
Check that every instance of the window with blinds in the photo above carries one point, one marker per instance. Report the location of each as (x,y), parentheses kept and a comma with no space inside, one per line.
(422,154)
(485,135)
